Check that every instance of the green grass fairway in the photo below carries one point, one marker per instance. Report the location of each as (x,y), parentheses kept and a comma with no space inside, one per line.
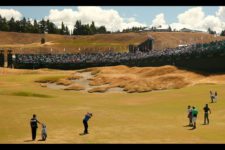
(152,117)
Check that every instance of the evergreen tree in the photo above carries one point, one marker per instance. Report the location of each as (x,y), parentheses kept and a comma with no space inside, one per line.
(211,31)
(92,28)
(52,28)
(25,26)
(23,23)
(67,31)
(62,31)
(18,28)
(42,26)
(102,29)
(169,29)
(77,28)
(12,25)
(1,22)
(35,27)
(29,27)
(86,29)
(5,26)
(222,33)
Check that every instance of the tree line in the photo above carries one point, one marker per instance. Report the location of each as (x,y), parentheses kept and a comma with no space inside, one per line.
(46,26)
(133,29)
(25,26)
(210,31)
(86,29)
(137,29)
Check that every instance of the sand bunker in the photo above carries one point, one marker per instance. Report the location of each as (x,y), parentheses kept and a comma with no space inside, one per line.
(145,79)
(131,79)
(80,82)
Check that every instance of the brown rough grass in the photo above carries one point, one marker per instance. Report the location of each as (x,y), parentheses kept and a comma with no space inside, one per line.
(74,77)
(131,79)
(137,79)
(65,82)
(98,89)
(75,87)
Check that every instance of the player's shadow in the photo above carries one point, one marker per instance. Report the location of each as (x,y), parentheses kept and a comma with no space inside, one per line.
(187,126)
(28,141)
(41,140)
(82,134)
(192,129)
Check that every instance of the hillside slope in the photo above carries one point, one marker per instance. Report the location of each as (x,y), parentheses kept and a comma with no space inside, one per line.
(30,43)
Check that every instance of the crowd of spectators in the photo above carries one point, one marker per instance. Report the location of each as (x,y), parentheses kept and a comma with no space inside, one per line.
(189,51)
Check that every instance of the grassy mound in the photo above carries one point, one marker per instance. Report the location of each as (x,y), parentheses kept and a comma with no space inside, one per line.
(30,43)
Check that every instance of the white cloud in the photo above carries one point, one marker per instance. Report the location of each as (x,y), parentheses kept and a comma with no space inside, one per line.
(221,13)
(67,16)
(195,18)
(214,23)
(110,18)
(159,20)
(9,13)
(179,26)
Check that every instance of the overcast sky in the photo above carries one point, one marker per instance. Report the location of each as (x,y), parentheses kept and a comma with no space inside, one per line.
(120,17)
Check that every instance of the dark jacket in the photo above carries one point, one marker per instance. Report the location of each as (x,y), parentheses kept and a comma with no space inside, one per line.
(34,123)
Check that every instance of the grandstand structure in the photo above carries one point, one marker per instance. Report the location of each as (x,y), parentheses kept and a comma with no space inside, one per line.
(145,46)
(6,58)
(143,50)
(206,57)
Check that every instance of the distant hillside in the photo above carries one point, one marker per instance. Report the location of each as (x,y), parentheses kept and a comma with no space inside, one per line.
(173,39)
(30,43)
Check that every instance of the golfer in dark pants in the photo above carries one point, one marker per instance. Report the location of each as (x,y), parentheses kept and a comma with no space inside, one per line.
(206,114)
(194,116)
(34,125)
(190,115)
(85,122)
